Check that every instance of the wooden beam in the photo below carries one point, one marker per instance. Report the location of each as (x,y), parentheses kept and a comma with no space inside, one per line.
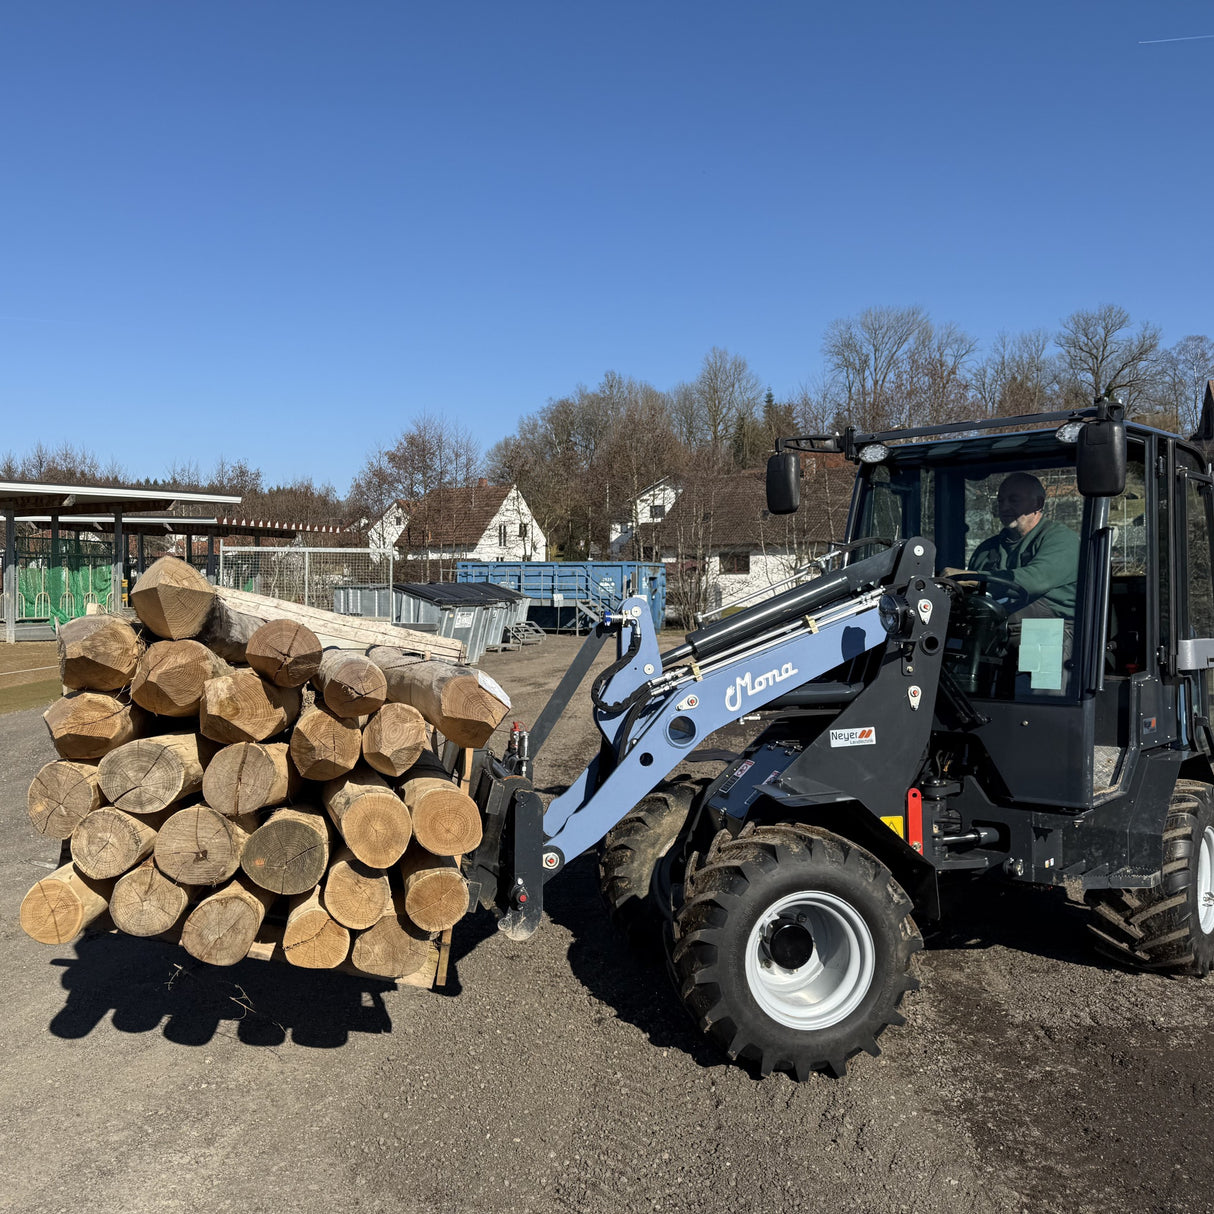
(342,631)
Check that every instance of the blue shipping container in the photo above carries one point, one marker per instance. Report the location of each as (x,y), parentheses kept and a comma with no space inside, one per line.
(554,587)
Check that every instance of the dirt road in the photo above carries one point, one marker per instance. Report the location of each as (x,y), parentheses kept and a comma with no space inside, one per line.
(562,1075)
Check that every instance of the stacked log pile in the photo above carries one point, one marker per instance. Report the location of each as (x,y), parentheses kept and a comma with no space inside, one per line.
(230,762)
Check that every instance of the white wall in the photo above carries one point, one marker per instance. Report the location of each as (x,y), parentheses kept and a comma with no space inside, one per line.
(514,512)
(662,494)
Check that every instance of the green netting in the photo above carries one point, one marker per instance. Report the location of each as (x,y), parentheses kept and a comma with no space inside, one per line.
(58,582)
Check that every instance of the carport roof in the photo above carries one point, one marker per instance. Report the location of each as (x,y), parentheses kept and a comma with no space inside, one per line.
(140,524)
(26,497)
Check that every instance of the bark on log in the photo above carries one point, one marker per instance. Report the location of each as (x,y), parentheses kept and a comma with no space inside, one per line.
(60,795)
(149,774)
(289,852)
(465,705)
(445,819)
(371,818)
(247,776)
(354,894)
(392,947)
(97,652)
(394,739)
(342,631)
(228,632)
(170,677)
(62,905)
(221,929)
(145,902)
(109,843)
(172,598)
(436,894)
(199,846)
(312,938)
(243,707)
(324,746)
(89,724)
(285,652)
(350,683)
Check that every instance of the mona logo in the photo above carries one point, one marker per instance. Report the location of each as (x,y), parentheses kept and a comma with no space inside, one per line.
(749,685)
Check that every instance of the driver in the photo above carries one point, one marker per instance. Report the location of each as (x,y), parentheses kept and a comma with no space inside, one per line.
(1039,555)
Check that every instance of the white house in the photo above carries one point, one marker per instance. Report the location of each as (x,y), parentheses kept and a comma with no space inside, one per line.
(480,522)
(651,505)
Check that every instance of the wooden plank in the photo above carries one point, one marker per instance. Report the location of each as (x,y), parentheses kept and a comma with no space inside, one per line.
(343,631)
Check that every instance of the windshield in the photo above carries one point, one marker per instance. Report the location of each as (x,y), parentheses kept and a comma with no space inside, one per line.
(1007,513)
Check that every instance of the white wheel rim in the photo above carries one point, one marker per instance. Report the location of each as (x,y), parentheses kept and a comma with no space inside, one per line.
(1205,881)
(833,982)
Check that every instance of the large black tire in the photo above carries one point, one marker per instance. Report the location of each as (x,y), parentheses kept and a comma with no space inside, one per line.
(1170,927)
(629,862)
(793,948)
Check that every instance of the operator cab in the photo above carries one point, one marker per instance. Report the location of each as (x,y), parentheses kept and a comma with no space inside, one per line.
(1073,688)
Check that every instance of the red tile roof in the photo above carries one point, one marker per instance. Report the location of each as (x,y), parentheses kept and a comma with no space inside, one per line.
(450,518)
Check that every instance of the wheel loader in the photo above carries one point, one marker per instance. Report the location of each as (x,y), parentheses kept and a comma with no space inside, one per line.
(926,718)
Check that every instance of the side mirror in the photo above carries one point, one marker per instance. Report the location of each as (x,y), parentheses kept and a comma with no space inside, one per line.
(783,482)
(1100,460)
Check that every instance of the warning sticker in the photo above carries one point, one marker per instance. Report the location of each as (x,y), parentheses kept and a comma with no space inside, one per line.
(863,735)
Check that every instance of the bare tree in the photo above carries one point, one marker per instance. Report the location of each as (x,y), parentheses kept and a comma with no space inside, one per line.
(1101,354)
(1018,376)
(1190,364)
(864,355)
(433,453)
(725,394)
(930,383)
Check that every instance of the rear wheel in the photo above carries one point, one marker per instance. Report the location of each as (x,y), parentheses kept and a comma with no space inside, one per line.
(793,948)
(630,862)
(1170,927)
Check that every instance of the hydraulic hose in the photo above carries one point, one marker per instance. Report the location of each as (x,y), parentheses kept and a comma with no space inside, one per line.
(798,601)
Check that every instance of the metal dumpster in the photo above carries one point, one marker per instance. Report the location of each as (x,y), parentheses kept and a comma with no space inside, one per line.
(452,610)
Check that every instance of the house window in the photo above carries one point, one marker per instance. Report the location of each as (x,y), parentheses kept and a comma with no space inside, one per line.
(522,531)
(735,562)
(657,511)
(501,535)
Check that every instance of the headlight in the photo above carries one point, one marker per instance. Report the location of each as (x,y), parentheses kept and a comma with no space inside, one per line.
(1068,432)
(895,615)
(874,453)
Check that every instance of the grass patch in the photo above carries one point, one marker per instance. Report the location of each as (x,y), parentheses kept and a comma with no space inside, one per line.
(29,675)
(29,695)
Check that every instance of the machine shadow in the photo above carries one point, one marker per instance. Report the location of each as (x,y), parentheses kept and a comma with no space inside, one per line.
(639,990)
(150,983)
(635,985)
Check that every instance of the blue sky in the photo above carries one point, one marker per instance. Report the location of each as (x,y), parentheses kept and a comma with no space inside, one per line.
(281,230)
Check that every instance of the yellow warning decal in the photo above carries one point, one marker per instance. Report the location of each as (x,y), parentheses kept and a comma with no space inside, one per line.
(896,823)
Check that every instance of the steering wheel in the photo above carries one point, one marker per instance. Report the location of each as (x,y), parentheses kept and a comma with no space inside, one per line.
(1004,588)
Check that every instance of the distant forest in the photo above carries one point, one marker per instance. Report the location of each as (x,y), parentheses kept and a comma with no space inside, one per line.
(581,459)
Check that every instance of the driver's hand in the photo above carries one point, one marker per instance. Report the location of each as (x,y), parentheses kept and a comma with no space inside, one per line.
(965,583)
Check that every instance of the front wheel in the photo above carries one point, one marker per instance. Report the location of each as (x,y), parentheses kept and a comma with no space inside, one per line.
(793,948)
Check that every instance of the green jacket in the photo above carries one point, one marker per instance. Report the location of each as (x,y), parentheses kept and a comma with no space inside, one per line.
(1044,564)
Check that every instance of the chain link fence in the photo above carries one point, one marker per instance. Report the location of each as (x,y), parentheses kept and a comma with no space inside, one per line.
(353,581)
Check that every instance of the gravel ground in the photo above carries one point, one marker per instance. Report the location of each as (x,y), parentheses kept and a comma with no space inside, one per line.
(561,1074)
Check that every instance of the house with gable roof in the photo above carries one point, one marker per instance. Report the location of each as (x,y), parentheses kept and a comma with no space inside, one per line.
(480,522)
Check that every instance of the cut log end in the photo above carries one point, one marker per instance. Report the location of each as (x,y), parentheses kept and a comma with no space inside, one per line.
(285,652)
(59,907)
(61,794)
(172,598)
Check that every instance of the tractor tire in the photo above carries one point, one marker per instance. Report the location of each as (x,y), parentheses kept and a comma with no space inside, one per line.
(1169,927)
(793,948)
(629,863)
